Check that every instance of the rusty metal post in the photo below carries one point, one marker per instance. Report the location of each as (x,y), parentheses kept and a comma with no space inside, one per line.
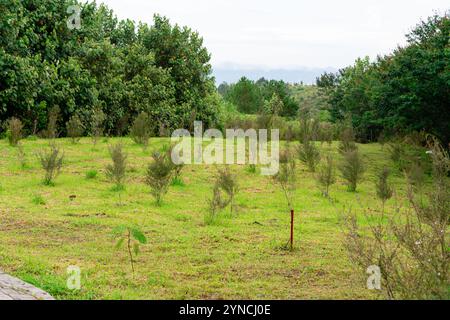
(292,229)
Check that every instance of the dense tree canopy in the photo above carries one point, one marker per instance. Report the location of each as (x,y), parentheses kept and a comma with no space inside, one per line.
(405,91)
(119,66)
(250,96)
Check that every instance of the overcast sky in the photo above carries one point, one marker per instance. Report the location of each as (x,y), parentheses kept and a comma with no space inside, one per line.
(289,33)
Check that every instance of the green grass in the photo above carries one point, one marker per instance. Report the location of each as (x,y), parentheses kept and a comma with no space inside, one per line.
(232,257)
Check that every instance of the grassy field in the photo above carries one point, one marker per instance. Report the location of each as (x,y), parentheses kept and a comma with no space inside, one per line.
(43,231)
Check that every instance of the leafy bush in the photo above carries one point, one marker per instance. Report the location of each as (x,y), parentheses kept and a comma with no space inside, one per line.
(116,172)
(75,128)
(52,125)
(410,247)
(14,131)
(347,143)
(91,174)
(326,176)
(352,169)
(309,154)
(52,162)
(227,182)
(159,175)
(384,190)
(398,154)
(141,129)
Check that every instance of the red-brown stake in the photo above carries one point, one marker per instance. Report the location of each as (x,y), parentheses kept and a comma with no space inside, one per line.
(292,230)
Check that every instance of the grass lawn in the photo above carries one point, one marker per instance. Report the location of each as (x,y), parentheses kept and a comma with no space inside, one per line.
(43,231)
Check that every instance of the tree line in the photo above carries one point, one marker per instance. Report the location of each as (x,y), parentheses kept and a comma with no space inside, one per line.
(402,92)
(116,66)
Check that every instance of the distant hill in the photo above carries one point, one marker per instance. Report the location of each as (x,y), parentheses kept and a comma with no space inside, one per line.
(233,74)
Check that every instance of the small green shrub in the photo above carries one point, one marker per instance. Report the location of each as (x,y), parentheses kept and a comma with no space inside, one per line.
(309,154)
(38,200)
(384,190)
(352,169)
(97,119)
(133,237)
(21,157)
(141,129)
(75,128)
(52,162)
(251,168)
(14,129)
(116,172)
(52,125)
(286,176)
(91,174)
(159,175)
(347,143)
(326,175)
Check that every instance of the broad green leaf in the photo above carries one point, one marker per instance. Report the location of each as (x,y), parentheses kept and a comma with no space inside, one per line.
(120,243)
(139,236)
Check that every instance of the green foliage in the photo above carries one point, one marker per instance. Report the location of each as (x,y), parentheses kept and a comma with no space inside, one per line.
(286,176)
(75,128)
(309,154)
(159,175)
(252,97)
(141,130)
(21,157)
(133,238)
(52,125)
(38,200)
(347,143)
(384,190)
(14,131)
(402,92)
(91,174)
(226,182)
(326,175)
(116,172)
(117,66)
(97,121)
(352,169)
(411,246)
(52,162)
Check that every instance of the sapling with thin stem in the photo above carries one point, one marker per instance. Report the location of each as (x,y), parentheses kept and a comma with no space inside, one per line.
(286,179)
(352,169)
(52,162)
(116,171)
(326,175)
(159,175)
(133,237)
(384,190)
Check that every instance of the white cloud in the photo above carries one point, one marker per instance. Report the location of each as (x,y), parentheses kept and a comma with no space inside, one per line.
(289,33)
